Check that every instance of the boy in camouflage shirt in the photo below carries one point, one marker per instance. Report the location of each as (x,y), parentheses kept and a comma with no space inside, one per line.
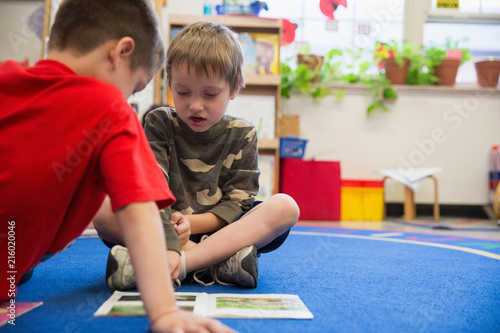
(210,161)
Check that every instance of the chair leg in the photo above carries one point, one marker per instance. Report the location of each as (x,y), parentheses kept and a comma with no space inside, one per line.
(409,205)
(436,198)
(384,212)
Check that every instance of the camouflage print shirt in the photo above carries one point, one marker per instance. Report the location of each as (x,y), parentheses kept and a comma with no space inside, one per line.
(213,171)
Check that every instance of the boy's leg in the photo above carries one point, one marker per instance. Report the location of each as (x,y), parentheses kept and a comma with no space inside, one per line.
(106,225)
(259,227)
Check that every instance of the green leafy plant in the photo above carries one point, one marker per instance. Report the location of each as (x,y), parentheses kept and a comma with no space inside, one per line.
(299,78)
(398,51)
(312,77)
(436,54)
(357,66)
(418,72)
(351,67)
(331,68)
(381,92)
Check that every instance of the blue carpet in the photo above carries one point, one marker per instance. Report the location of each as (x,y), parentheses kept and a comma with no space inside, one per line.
(351,280)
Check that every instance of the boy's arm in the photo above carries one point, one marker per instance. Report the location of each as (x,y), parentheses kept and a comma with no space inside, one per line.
(141,228)
(205,223)
(156,132)
(142,232)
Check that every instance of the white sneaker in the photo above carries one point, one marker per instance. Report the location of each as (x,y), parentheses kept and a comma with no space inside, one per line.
(119,271)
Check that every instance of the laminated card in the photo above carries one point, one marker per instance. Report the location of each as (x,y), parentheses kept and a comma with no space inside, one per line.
(214,305)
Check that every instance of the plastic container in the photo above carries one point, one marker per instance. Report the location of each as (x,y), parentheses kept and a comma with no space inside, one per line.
(292,146)
(362,200)
(252,9)
(494,167)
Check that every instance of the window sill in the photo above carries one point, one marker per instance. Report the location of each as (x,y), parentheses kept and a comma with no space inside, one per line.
(457,89)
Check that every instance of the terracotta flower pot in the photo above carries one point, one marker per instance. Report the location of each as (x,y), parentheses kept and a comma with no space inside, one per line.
(488,73)
(313,62)
(446,72)
(396,74)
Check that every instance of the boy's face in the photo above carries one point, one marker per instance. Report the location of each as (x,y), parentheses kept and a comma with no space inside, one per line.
(200,101)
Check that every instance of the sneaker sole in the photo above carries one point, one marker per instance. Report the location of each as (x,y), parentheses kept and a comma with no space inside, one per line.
(111,270)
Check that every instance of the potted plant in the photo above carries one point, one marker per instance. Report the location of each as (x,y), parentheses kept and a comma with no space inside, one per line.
(312,61)
(396,59)
(444,61)
(488,72)
(312,75)
(353,68)
(299,78)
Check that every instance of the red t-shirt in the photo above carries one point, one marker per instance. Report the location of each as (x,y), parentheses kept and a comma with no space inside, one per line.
(65,142)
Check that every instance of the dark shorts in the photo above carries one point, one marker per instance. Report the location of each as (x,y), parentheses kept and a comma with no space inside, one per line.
(273,245)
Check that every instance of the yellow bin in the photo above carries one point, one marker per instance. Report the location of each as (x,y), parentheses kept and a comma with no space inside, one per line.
(362,200)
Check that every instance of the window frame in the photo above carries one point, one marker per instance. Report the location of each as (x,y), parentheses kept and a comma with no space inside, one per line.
(418,12)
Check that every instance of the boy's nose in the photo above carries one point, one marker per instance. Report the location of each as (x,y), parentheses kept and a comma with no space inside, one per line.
(196,104)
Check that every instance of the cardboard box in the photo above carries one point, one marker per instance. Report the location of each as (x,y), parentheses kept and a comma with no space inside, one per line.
(289,125)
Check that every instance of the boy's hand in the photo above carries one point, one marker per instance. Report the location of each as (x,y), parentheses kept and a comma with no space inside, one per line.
(182,226)
(174,263)
(180,321)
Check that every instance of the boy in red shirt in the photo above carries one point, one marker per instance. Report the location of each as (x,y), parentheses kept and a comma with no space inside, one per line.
(69,137)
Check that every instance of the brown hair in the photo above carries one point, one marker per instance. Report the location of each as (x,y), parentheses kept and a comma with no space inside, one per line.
(83,25)
(211,49)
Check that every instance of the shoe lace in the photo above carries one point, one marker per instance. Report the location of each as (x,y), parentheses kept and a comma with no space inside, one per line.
(212,272)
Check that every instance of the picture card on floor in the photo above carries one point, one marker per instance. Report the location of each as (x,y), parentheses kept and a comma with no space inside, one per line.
(277,306)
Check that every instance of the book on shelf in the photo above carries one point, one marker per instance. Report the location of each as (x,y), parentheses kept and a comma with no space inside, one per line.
(261,53)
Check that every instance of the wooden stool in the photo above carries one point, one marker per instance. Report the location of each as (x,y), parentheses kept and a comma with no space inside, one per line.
(409,203)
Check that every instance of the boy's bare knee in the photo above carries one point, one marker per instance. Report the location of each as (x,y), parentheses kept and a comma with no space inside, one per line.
(287,208)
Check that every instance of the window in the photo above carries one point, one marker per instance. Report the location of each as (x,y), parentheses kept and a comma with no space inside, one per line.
(476,21)
(361,24)
(482,40)
(472,6)
(364,22)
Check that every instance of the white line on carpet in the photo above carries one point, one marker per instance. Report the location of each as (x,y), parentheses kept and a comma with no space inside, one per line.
(387,234)
(396,240)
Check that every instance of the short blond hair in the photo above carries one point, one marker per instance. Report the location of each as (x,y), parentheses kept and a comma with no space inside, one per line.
(211,49)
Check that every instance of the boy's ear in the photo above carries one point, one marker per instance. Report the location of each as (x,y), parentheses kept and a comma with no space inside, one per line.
(121,51)
(236,91)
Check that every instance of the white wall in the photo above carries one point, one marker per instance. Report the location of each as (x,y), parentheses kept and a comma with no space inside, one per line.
(453,130)
(17,39)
